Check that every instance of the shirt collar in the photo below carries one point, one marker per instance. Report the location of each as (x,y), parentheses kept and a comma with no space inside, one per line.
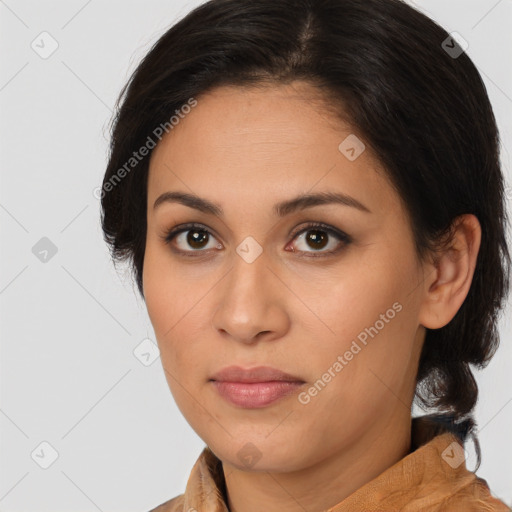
(432,471)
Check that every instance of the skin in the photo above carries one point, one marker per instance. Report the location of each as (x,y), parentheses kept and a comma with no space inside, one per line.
(247,149)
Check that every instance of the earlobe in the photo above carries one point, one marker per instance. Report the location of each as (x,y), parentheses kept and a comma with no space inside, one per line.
(452,274)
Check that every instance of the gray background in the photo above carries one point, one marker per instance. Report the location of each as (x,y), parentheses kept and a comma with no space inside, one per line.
(70,324)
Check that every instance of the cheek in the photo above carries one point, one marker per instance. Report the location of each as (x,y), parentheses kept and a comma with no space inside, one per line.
(164,303)
(166,295)
(176,311)
(369,318)
(177,341)
(348,301)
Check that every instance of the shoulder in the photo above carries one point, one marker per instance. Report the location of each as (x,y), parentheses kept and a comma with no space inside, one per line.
(472,497)
(438,454)
(173,505)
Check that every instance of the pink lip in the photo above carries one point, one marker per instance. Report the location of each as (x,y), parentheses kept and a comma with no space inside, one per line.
(254,387)
(256,374)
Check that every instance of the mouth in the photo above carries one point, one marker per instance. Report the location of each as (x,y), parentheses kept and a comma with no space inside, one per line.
(254,387)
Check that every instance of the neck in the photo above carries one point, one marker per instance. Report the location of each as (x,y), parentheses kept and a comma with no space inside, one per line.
(325,484)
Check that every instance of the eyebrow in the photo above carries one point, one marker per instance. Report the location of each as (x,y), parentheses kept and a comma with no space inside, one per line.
(281,209)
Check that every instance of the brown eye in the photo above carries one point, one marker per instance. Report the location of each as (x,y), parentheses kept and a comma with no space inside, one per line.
(196,238)
(314,238)
(191,239)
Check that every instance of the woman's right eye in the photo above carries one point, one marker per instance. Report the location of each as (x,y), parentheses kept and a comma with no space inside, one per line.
(192,236)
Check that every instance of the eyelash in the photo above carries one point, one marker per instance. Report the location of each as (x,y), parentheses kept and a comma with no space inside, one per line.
(345,239)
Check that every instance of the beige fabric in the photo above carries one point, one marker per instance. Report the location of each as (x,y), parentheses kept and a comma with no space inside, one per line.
(429,479)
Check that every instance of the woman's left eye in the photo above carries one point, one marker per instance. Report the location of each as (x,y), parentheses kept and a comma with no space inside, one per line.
(315,236)
(318,237)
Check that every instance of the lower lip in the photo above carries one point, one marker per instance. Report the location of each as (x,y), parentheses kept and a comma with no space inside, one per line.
(255,394)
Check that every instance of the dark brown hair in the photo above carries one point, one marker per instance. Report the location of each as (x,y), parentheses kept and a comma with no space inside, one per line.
(410,91)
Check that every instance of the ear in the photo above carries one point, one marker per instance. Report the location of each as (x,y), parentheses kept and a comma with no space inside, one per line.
(451,274)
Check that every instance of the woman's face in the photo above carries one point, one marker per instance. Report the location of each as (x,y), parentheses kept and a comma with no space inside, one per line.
(337,307)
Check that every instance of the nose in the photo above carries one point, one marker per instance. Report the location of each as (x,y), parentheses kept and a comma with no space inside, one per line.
(251,303)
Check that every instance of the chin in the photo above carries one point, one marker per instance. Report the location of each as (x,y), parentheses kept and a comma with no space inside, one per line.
(258,453)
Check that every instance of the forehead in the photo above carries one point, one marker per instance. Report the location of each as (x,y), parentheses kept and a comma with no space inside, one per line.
(258,118)
(253,143)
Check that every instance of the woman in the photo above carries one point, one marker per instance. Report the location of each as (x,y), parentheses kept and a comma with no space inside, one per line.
(310,195)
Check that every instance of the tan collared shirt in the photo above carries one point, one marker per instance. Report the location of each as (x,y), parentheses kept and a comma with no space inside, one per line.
(432,478)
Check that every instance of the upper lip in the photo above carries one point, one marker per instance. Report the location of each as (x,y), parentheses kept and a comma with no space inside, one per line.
(256,374)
